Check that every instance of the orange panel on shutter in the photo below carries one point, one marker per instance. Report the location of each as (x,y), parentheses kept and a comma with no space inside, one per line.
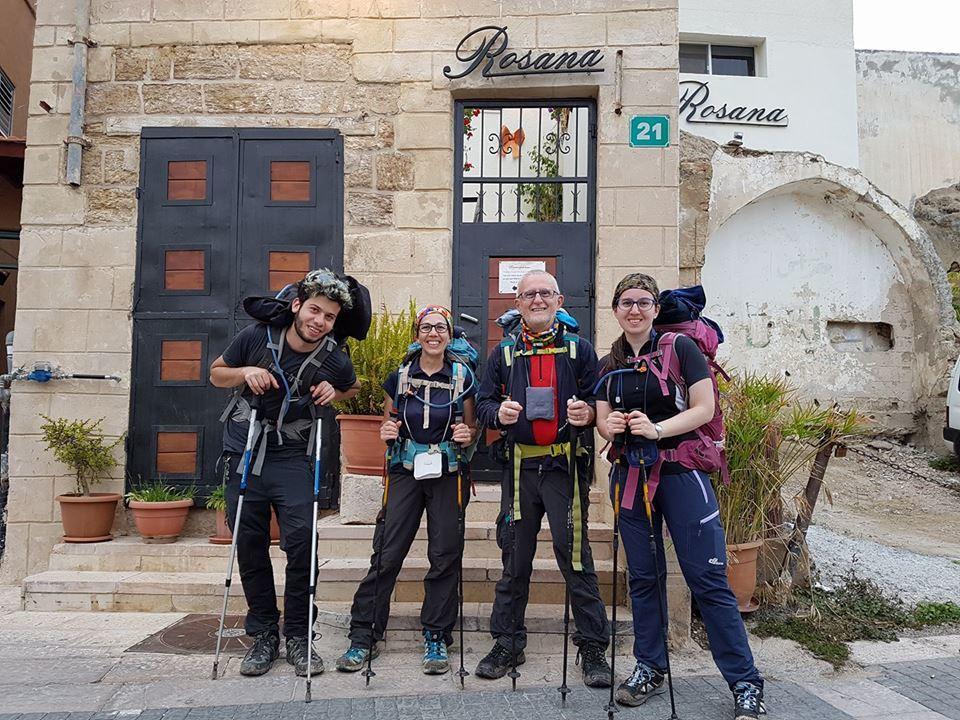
(177,452)
(187,180)
(287,267)
(183,270)
(180,360)
(290,180)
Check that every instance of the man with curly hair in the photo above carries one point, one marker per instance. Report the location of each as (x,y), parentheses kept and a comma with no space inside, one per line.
(295,370)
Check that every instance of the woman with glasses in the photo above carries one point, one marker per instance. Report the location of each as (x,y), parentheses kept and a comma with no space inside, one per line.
(428,417)
(636,413)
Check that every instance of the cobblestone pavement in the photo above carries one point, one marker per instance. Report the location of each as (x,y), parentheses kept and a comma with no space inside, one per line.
(935,684)
(698,698)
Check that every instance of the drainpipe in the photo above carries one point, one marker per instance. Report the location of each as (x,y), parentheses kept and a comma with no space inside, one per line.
(75,140)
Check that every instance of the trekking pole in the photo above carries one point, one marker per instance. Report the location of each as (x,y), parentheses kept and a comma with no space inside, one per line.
(612,706)
(462,672)
(247,456)
(563,689)
(513,674)
(378,549)
(660,591)
(313,554)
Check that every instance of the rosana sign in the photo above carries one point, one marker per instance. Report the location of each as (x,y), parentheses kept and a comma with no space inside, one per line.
(695,107)
(487,47)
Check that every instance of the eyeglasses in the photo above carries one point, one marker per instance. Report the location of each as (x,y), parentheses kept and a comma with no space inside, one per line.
(440,328)
(627,304)
(529,295)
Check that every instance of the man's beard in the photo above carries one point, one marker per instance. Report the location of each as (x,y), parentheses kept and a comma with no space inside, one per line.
(298,324)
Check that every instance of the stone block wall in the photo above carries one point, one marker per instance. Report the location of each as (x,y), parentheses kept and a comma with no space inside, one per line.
(370,68)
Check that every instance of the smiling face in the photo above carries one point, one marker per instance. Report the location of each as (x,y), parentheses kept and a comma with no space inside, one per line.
(635,310)
(314,317)
(537,311)
(433,333)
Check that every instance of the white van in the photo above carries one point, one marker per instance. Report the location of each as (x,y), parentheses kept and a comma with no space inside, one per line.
(951,431)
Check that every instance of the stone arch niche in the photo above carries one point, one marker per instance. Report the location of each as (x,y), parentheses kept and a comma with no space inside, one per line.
(816,275)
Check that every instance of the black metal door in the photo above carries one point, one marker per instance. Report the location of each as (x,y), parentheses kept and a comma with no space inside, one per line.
(223,214)
(524,198)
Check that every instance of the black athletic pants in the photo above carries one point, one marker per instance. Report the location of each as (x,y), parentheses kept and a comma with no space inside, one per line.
(286,483)
(406,501)
(545,492)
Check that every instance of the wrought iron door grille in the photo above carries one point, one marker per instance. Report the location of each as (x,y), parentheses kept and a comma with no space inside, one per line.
(6,104)
(524,163)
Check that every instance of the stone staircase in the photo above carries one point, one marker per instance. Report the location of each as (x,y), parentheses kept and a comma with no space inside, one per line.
(128,575)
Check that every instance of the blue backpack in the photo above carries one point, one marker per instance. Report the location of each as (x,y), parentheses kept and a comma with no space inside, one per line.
(464,358)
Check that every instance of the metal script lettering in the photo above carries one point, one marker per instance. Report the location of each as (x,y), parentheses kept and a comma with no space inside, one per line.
(694,102)
(499,63)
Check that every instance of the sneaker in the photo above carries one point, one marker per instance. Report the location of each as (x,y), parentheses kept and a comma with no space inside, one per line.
(596,669)
(356,657)
(497,662)
(748,701)
(435,660)
(643,682)
(297,656)
(262,654)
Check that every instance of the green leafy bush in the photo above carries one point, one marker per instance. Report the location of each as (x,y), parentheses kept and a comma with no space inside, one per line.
(376,357)
(771,437)
(156,491)
(217,500)
(80,446)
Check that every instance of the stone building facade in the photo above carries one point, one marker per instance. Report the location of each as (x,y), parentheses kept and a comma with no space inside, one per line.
(371,70)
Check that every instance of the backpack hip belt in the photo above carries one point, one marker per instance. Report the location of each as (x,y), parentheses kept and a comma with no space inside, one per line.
(409,449)
(521,452)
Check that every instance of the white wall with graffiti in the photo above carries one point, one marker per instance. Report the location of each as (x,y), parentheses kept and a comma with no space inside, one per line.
(805,66)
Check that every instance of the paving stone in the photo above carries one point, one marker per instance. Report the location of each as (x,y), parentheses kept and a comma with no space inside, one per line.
(931,683)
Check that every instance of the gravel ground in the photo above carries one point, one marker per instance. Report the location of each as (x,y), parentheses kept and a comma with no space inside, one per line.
(912,576)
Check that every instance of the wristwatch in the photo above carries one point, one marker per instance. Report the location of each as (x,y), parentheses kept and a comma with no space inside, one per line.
(659,428)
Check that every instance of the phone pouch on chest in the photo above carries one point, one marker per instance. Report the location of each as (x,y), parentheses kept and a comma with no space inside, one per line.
(540,403)
(427,466)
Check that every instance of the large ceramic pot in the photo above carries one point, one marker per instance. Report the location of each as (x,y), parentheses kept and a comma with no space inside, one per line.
(88,518)
(160,522)
(225,533)
(742,573)
(360,444)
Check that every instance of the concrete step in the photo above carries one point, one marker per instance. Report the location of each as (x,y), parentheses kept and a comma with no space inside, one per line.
(148,591)
(334,541)
(544,625)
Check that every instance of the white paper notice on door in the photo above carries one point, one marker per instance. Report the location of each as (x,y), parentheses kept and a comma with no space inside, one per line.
(512,270)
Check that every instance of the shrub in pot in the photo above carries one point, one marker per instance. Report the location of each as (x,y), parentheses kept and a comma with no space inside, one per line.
(86,516)
(361,416)
(218,502)
(160,511)
(771,437)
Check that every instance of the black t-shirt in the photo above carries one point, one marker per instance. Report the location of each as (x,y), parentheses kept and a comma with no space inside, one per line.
(248,348)
(410,409)
(641,390)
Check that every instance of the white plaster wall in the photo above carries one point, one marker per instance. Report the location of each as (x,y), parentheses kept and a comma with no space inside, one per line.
(783,266)
(808,67)
(909,121)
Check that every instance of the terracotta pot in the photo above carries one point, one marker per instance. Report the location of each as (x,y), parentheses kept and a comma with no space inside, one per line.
(224,534)
(360,444)
(88,518)
(742,573)
(160,522)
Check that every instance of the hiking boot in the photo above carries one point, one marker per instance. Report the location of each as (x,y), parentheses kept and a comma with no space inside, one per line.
(596,669)
(748,701)
(297,656)
(497,662)
(356,657)
(262,654)
(435,661)
(643,682)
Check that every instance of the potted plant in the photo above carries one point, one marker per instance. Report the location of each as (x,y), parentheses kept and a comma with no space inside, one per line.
(159,510)
(218,502)
(79,444)
(373,360)
(770,437)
